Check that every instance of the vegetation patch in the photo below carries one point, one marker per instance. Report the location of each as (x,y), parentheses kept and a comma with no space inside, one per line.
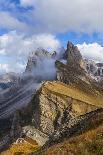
(89,143)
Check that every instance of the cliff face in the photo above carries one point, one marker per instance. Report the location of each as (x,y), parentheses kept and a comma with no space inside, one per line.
(74,68)
(73,56)
(56,104)
(61,111)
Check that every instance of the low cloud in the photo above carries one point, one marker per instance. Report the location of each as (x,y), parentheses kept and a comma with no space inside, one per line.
(15,48)
(92,51)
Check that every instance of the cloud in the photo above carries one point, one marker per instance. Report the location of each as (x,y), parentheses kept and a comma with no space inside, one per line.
(10,67)
(52,16)
(65,15)
(15,48)
(7,21)
(92,51)
(3,68)
(28,2)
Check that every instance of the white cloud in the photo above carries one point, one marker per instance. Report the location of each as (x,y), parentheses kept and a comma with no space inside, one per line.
(66,15)
(28,2)
(3,68)
(55,16)
(13,44)
(14,48)
(11,67)
(8,21)
(92,51)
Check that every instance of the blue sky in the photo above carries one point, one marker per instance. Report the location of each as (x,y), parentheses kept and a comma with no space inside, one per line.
(19,11)
(28,24)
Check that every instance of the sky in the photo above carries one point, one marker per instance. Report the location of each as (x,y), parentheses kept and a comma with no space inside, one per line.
(28,24)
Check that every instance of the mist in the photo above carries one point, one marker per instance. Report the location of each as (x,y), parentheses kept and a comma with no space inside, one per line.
(42,64)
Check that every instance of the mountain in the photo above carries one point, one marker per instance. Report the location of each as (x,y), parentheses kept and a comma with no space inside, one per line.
(41,65)
(57,98)
(36,57)
(21,87)
(7,80)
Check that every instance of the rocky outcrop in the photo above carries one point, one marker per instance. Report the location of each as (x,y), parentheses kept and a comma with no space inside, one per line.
(36,56)
(73,55)
(74,68)
(57,104)
(35,134)
(95,69)
(78,71)
(62,111)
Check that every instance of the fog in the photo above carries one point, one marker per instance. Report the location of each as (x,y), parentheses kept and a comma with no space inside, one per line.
(40,67)
(43,64)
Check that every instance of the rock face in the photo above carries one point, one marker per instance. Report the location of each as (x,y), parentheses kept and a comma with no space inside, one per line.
(41,65)
(61,111)
(74,68)
(75,63)
(73,56)
(35,134)
(37,56)
(78,70)
(96,69)
(56,105)
(99,69)
(16,127)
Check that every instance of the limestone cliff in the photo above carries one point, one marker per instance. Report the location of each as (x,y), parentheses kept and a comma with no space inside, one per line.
(61,111)
(73,55)
(75,71)
(56,104)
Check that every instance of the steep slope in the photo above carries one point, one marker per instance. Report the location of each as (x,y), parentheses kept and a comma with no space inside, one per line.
(21,146)
(62,111)
(55,103)
(89,143)
(75,72)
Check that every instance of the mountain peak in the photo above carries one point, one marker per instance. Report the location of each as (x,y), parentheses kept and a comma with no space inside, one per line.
(73,55)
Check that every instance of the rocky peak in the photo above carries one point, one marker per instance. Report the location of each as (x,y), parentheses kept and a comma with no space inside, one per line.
(73,55)
(38,56)
(74,59)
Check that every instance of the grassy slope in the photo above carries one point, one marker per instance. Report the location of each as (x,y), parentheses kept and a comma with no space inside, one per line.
(24,148)
(89,143)
(64,90)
